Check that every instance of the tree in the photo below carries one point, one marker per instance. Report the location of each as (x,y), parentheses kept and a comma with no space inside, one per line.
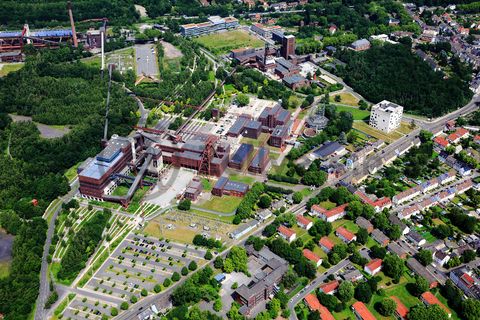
(425,257)
(470,309)
(378,252)
(422,312)
(167,282)
(133,299)
(157,288)
(393,266)
(297,197)
(184,271)
(327,300)
(274,307)
(345,291)
(144,292)
(386,307)
(218,262)
(362,236)
(192,266)
(208,255)
(114,312)
(124,305)
(185,205)
(265,201)
(314,178)
(242,99)
(363,292)
(468,256)
(175,276)
(217,305)
(420,286)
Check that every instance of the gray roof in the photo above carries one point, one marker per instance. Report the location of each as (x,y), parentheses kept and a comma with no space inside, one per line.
(363,223)
(379,236)
(393,247)
(415,236)
(361,42)
(294,79)
(327,149)
(414,265)
(396,221)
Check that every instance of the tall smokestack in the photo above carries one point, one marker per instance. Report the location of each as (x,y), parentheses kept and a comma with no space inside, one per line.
(74,33)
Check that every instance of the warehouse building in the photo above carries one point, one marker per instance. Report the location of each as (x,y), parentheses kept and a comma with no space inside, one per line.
(240,156)
(260,161)
(224,186)
(214,24)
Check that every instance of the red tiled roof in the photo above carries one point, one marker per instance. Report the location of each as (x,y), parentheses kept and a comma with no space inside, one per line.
(336,211)
(317,208)
(441,141)
(476,138)
(329,287)
(286,231)
(402,310)
(311,256)
(313,304)
(382,202)
(345,233)
(468,280)
(362,311)
(327,243)
(374,264)
(430,299)
(303,220)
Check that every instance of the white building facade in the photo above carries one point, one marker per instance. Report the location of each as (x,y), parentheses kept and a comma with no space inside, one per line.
(386,116)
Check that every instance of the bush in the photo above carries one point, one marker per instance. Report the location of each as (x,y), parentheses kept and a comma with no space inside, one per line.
(157,288)
(114,312)
(175,276)
(167,282)
(124,305)
(208,255)
(192,266)
(144,292)
(133,299)
(185,205)
(184,271)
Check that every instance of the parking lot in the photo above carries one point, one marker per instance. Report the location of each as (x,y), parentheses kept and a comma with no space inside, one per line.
(138,263)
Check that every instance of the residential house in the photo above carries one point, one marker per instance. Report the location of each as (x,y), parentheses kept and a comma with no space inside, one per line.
(326,244)
(459,134)
(465,279)
(364,223)
(441,143)
(345,235)
(329,215)
(313,304)
(373,267)
(317,261)
(264,215)
(398,250)
(380,237)
(361,311)
(404,229)
(417,268)
(360,45)
(429,299)
(406,195)
(286,233)
(401,311)
(353,275)
(329,287)
(416,238)
(407,212)
(441,257)
(304,222)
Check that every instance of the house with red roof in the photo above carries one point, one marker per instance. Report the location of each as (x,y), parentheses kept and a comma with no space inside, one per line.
(428,299)
(345,235)
(361,311)
(373,267)
(460,133)
(401,311)
(332,214)
(317,261)
(476,139)
(287,233)
(378,204)
(441,142)
(329,287)
(326,244)
(332,29)
(304,222)
(313,304)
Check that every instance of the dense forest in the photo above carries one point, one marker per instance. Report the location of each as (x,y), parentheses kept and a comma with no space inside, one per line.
(51,13)
(157,8)
(394,73)
(54,92)
(442,3)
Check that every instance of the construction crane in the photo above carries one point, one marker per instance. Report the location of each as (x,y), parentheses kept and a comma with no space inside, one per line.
(107,105)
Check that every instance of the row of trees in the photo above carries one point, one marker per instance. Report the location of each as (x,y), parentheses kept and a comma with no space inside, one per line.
(248,203)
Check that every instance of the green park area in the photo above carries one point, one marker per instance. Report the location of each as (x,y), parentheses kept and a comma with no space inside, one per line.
(10,67)
(368,130)
(357,113)
(225,204)
(345,98)
(221,43)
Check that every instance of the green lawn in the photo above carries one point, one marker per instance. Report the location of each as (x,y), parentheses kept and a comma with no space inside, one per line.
(387,137)
(54,269)
(71,173)
(327,205)
(261,141)
(242,178)
(137,197)
(347,224)
(224,204)
(221,43)
(207,184)
(4,269)
(356,113)
(212,216)
(9,67)
(346,98)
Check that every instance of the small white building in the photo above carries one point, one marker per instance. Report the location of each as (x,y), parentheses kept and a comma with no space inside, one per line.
(373,267)
(304,222)
(386,116)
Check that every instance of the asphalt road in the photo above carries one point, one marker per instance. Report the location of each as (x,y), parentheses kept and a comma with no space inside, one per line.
(312,286)
(146,60)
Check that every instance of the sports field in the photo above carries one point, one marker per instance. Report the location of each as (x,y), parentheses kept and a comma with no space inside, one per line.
(221,43)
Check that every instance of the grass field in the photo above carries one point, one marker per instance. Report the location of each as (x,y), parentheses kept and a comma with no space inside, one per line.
(241,178)
(4,269)
(365,128)
(224,204)
(10,67)
(137,197)
(356,113)
(261,141)
(221,43)
(327,205)
(155,229)
(226,219)
(71,173)
(347,98)
(207,184)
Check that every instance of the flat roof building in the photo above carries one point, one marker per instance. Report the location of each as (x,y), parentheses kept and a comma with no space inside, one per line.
(227,187)
(386,116)
(260,161)
(240,156)
(214,24)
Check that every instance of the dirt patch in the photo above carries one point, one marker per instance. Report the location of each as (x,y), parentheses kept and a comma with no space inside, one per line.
(141,10)
(171,52)
(46,131)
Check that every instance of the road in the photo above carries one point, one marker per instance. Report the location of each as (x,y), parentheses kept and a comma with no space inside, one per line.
(313,286)
(146,60)
(44,289)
